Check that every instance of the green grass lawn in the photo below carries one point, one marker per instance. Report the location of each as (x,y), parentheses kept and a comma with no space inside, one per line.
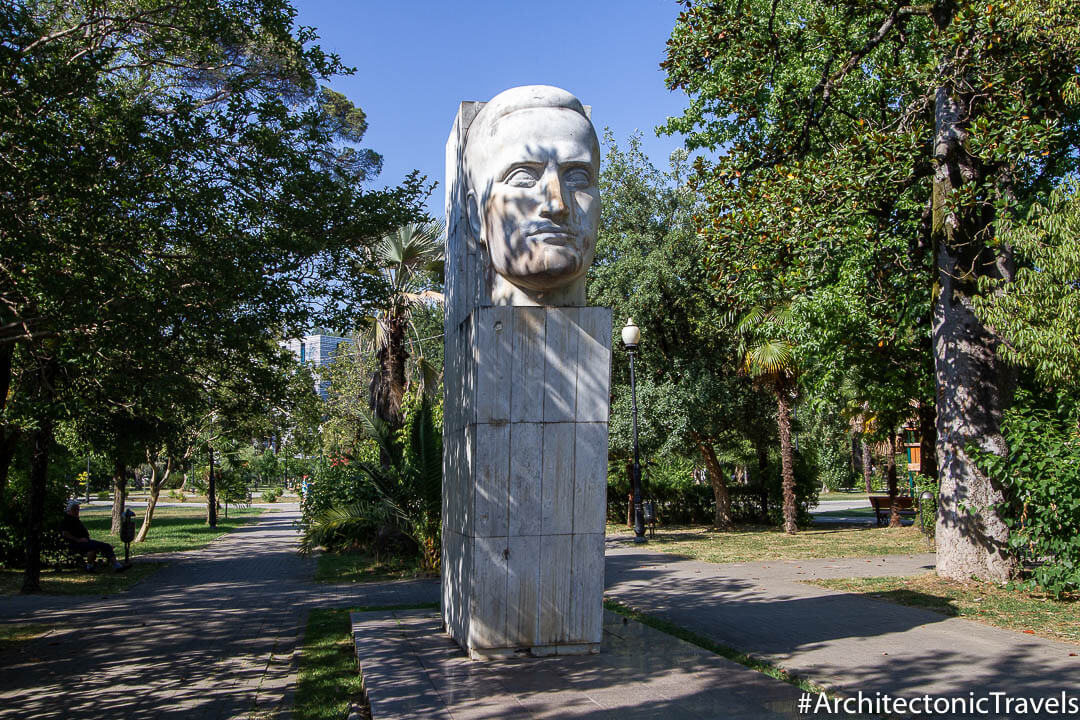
(859,495)
(327,681)
(758,543)
(358,567)
(70,581)
(1031,613)
(173,529)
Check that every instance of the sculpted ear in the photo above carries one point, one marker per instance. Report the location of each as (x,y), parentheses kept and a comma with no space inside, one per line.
(472,211)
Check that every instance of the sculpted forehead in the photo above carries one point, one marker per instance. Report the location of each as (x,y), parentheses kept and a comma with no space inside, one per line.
(531,135)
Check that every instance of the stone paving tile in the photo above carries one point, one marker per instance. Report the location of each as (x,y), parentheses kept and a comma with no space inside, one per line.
(849,642)
(212,635)
(413,670)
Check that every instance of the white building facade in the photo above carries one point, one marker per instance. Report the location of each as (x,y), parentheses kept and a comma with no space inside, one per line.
(317,350)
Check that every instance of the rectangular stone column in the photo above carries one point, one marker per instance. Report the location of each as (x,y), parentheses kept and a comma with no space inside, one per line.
(525,479)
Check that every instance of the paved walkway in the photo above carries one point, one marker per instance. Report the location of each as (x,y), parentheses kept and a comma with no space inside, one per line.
(845,641)
(212,635)
(413,670)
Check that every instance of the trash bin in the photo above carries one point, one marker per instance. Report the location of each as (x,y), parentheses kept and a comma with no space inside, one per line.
(127,532)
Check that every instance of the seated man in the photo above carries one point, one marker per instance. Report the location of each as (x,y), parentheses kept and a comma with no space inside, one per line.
(78,538)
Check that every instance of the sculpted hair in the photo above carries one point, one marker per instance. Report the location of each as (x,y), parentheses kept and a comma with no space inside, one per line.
(528,97)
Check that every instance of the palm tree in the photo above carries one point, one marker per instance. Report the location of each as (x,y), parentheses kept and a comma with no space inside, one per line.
(410,261)
(409,484)
(769,358)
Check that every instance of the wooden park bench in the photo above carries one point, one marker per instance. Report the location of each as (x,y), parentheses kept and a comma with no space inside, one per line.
(883,507)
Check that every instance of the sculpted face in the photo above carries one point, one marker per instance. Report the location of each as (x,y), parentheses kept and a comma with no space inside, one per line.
(534,199)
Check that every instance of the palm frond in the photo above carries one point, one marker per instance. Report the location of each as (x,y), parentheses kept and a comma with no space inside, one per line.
(340,519)
(751,319)
(380,431)
(770,357)
(411,245)
(429,377)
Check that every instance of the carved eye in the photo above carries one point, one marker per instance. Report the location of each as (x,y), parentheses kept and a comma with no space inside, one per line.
(577,178)
(521,177)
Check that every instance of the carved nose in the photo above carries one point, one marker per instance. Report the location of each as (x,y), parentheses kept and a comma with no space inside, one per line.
(554,203)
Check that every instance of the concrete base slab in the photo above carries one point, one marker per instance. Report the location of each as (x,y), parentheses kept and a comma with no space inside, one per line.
(412,669)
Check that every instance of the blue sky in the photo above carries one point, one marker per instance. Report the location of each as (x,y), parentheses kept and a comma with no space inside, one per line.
(417,60)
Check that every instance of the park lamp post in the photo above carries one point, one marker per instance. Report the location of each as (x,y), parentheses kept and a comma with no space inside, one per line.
(631,336)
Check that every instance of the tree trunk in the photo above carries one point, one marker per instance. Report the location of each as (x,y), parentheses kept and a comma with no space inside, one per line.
(973,384)
(388,383)
(156,483)
(9,435)
(211,494)
(119,496)
(867,466)
(39,475)
(8,446)
(890,473)
(783,424)
(722,514)
(928,440)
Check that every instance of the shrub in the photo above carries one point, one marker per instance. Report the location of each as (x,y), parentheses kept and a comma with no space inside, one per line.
(13,537)
(337,487)
(681,499)
(271,494)
(670,484)
(405,491)
(1041,472)
(177,495)
(927,508)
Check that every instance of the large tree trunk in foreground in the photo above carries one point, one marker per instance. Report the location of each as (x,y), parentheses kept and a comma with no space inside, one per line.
(39,474)
(890,473)
(119,496)
(722,515)
(973,384)
(783,423)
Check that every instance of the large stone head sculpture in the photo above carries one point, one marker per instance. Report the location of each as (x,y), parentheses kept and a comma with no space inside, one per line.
(532,161)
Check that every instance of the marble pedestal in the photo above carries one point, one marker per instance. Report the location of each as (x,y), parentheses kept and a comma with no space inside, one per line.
(524,479)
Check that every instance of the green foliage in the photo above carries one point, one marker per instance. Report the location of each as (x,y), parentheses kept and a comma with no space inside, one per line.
(681,499)
(13,522)
(864,161)
(405,478)
(1042,468)
(212,201)
(1038,314)
(928,508)
(825,440)
(670,484)
(346,527)
(338,482)
(271,494)
(411,482)
(410,263)
(648,268)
